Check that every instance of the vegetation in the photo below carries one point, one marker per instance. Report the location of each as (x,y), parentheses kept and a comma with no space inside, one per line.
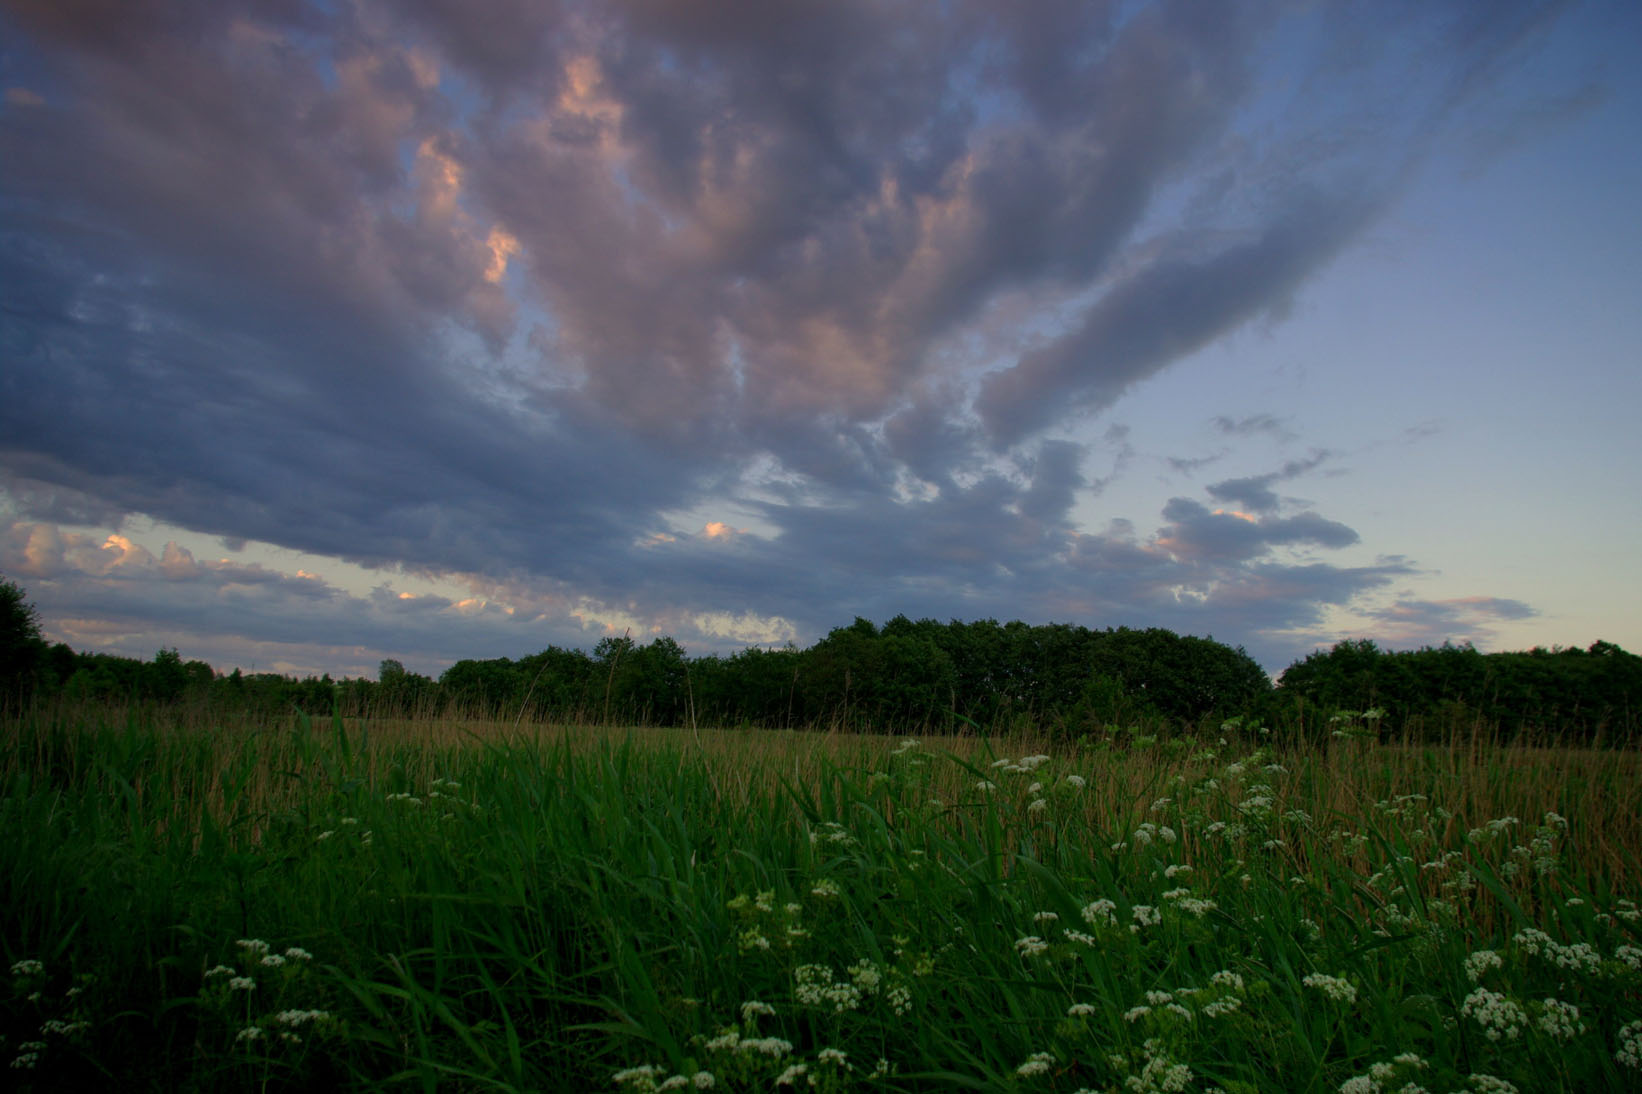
(425,904)
(906,676)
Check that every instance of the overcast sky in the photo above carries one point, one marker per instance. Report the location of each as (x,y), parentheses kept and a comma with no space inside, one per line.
(433,329)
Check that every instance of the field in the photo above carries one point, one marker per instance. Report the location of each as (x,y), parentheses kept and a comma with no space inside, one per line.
(467,906)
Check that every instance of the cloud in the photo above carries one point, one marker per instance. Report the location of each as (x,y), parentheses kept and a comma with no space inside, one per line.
(1254,492)
(491,298)
(1411,622)
(1253,425)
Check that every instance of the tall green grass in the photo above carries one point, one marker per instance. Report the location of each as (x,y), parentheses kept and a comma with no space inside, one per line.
(491,907)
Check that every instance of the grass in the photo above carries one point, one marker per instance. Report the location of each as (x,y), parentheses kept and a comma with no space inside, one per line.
(449,905)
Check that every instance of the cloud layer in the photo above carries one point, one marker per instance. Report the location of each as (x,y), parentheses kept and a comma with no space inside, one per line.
(498,295)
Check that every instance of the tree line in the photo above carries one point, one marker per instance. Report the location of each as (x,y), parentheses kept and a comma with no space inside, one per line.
(906,676)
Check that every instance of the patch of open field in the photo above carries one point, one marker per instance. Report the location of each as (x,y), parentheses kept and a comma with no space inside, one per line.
(462,905)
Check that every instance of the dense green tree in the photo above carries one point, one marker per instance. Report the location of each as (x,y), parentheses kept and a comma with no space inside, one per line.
(22,649)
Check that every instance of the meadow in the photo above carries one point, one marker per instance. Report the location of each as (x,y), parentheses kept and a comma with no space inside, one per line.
(443,904)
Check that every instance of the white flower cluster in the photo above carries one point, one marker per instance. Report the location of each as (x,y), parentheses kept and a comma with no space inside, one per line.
(1025,765)
(1144,916)
(1036,1064)
(1100,913)
(815,987)
(1337,988)
(1480,962)
(1160,1075)
(751,1009)
(1030,946)
(1560,1020)
(643,1080)
(1629,1052)
(1499,1017)
(1581,956)
(1382,1074)
(834,833)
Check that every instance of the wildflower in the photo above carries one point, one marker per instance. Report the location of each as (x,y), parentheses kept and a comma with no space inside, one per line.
(1335,987)
(791,1076)
(1176,870)
(1498,1016)
(242,983)
(25,1061)
(985,786)
(1076,782)
(1159,1074)
(1488,1084)
(1561,1020)
(297,953)
(753,1008)
(219,970)
(826,889)
(1036,1064)
(1037,805)
(1480,962)
(703,1080)
(865,975)
(643,1076)
(1031,946)
(1045,917)
(1629,1052)
(249,1034)
(27,967)
(301,1017)
(835,1056)
(1227,979)
(254,946)
(63,1029)
(1080,1010)
(273,961)
(1145,916)
(1100,913)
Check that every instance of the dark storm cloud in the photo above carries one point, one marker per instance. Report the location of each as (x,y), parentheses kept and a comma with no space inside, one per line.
(489,291)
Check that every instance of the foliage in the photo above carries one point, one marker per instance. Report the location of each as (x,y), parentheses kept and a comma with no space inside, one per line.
(906,676)
(22,650)
(1585,694)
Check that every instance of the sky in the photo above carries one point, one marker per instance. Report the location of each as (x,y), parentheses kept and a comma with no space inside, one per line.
(430,329)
